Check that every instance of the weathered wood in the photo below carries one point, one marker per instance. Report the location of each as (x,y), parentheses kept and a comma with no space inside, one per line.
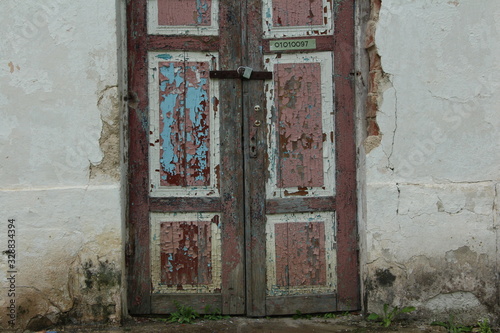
(184,12)
(230,108)
(300,254)
(186,253)
(255,168)
(183,43)
(180,204)
(300,148)
(184,122)
(230,202)
(292,13)
(242,203)
(164,303)
(138,255)
(347,242)
(282,305)
(300,205)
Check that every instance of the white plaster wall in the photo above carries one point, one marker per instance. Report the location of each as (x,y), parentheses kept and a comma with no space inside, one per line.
(432,183)
(58,90)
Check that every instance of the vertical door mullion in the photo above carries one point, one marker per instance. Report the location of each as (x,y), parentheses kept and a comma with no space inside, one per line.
(255,167)
(231,169)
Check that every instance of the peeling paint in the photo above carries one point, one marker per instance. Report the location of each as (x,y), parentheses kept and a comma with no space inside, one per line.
(288,18)
(184,127)
(301,125)
(299,109)
(184,12)
(297,12)
(183,136)
(301,253)
(185,253)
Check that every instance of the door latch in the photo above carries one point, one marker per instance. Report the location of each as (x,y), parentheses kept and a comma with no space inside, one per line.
(243,72)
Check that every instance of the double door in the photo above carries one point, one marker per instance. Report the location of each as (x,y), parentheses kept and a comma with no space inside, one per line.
(242,189)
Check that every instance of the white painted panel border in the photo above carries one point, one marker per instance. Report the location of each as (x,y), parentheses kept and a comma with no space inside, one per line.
(325,59)
(154,135)
(300,31)
(155,29)
(216,258)
(328,218)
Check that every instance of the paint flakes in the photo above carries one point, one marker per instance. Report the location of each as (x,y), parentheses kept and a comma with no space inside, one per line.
(185,253)
(298,102)
(300,254)
(184,124)
(184,12)
(291,13)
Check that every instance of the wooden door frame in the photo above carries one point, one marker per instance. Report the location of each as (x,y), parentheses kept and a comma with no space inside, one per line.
(137,248)
(346,182)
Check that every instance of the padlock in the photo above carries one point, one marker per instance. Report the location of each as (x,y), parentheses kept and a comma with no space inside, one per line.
(247,72)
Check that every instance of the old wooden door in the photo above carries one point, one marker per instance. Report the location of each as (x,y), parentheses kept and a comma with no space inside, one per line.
(242,189)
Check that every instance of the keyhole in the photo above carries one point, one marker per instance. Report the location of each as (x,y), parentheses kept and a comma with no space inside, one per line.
(253,148)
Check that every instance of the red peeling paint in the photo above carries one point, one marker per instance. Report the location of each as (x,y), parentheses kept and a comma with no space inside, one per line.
(186,253)
(184,12)
(292,13)
(298,88)
(300,254)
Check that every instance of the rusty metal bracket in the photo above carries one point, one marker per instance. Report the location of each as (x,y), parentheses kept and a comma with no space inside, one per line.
(256,75)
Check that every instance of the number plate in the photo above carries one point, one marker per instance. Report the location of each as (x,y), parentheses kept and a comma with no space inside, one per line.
(292,44)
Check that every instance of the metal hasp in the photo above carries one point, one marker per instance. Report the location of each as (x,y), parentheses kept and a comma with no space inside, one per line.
(240,74)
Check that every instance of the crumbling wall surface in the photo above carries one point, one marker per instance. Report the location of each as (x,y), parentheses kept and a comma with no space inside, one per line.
(433,158)
(59,163)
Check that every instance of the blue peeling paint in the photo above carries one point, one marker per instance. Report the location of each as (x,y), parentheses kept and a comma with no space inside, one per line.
(195,96)
(168,106)
(164,56)
(170,266)
(171,75)
(202,9)
(168,159)
(268,13)
(188,101)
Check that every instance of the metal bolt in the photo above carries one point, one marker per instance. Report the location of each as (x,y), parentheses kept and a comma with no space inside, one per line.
(256,108)
(257,123)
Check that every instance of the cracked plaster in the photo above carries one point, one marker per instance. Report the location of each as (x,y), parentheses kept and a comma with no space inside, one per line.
(432,175)
(60,160)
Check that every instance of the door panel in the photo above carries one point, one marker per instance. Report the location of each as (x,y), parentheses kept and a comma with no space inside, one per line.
(300,125)
(183,17)
(184,125)
(296,18)
(301,254)
(242,192)
(186,253)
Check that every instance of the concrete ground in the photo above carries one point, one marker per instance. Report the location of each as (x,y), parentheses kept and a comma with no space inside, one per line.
(350,323)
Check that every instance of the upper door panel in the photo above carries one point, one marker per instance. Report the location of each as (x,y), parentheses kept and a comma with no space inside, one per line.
(297,18)
(183,17)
